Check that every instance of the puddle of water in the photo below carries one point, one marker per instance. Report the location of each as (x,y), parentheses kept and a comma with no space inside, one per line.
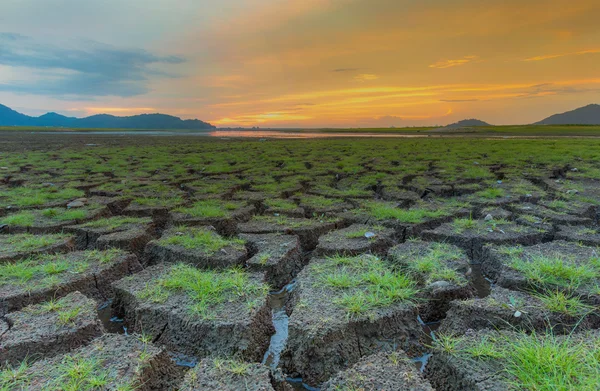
(481,284)
(112,324)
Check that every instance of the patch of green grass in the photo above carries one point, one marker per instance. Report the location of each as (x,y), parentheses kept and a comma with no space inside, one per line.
(431,265)
(65,214)
(513,251)
(319,202)
(233,367)
(364,283)
(46,270)
(547,363)
(278,203)
(531,219)
(263,259)
(557,301)
(558,204)
(29,196)
(586,231)
(555,271)
(115,222)
(28,242)
(491,193)
(462,225)
(68,316)
(19,219)
(14,378)
(383,211)
(209,208)
(207,289)
(533,362)
(202,239)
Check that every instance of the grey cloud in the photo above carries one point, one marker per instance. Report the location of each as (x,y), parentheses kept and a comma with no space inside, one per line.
(94,70)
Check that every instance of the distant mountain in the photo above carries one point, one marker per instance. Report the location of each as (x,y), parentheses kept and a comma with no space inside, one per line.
(9,117)
(465,123)
(587,115)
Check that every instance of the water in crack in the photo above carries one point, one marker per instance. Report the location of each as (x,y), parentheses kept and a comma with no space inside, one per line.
(112,324)
(280,318)
(429,330)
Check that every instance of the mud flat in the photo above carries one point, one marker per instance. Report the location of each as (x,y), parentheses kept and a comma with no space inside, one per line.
(196,312)
(345,308)
(45,277)
(201,247)
(112,361)
(49,328)
(382,371)
(278,256)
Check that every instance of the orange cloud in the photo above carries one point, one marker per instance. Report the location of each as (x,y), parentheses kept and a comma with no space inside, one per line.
(551,56)
(365,77)
(453,63)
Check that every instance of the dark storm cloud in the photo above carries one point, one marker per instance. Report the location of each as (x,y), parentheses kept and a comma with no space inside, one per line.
(90,69)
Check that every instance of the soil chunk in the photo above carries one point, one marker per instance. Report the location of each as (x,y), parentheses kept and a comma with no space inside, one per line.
(472,235)
(127,233)
(555,266)
(356,239)
(224,216)
(197,312)
(20,246)
(51,220)
(44,277)
(197,246)
(227,375)
(380,372)
(440,269)
(345,308)
(308,230)
(278,256)
(505,309)
(589,236)
(50,328)
(505,360)
(115,361)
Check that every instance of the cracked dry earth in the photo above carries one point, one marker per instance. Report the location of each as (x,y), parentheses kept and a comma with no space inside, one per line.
(142,264)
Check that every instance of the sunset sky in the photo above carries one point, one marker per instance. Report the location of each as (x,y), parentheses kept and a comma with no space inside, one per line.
(302,63)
